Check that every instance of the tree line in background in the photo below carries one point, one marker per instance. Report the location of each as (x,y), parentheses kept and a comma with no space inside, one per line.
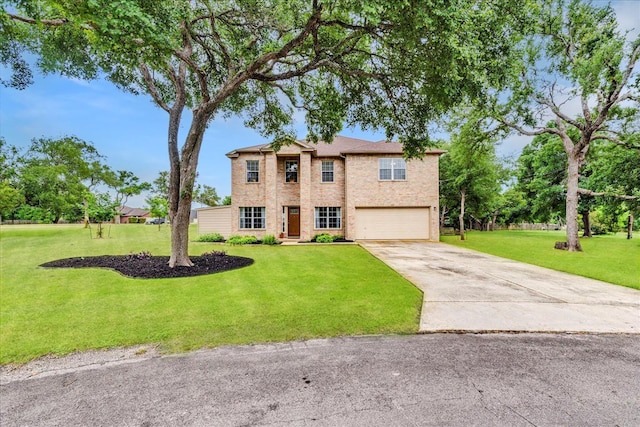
(68,179)
(575,88)
(479,190)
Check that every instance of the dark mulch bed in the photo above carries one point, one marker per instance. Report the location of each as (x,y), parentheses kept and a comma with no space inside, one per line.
(154,267)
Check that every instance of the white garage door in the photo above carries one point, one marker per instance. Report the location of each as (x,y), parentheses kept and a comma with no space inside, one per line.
(392,223)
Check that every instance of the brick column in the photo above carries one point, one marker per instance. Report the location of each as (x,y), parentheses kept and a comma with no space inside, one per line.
(271,195)
(306,208)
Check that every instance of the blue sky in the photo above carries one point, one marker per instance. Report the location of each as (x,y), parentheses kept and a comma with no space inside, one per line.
(131,131)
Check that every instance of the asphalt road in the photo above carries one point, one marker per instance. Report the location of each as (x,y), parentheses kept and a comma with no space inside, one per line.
(435,379)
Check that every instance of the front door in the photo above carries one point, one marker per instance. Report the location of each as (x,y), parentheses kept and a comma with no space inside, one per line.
(294,222)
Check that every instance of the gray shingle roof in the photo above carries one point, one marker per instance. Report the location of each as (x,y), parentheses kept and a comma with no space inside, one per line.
(341,145)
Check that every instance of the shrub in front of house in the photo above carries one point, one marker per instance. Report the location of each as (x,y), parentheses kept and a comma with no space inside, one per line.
(269,239)
(210,237)
(324,238)
(242,240)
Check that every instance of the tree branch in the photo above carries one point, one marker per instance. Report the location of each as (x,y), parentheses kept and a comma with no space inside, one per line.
(153,90)
(606,194)
(47,22)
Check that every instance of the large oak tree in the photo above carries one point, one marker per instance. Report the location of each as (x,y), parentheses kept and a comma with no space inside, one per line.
(380,64)
(579,70)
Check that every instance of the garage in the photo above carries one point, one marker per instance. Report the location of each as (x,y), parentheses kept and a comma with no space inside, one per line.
(392,223)
(216,219)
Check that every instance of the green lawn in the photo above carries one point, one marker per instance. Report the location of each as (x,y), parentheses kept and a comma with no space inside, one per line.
(289,293)
(611,258)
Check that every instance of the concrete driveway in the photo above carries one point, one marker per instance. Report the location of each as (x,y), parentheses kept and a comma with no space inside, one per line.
(465,290)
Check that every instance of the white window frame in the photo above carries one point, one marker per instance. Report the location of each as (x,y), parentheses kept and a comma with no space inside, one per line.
(394,168)
(328,214)
(251,170)
(327,168)
(252,218)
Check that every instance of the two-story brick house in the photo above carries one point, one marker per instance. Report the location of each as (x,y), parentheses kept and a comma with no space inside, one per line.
(351,187)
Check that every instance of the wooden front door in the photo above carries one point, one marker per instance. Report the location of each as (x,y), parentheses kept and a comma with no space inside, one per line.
(293,222)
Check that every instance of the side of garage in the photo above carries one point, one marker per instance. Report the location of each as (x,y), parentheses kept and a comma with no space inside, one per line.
(216,219)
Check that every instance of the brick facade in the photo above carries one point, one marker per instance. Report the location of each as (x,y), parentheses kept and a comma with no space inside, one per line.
(356,184)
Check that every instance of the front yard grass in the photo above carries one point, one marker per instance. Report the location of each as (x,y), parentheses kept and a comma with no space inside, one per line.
(610,258)
(289,293)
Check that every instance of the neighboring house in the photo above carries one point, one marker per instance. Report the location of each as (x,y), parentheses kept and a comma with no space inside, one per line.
(355,188)
(125,212)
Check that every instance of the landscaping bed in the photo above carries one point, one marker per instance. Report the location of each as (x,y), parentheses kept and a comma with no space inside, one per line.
(154,267)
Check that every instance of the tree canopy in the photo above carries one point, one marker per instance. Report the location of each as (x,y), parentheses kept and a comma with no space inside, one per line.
(379,64)
(575,55)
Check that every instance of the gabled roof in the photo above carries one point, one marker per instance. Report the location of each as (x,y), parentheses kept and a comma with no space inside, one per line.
(341,145)
(128,211)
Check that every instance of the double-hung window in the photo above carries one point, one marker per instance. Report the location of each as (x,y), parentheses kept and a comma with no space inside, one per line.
(328,217)
(253,170)
(392,169)
(291,170)
(252,217)
(327,171)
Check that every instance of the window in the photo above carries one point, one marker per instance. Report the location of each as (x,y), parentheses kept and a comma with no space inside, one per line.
(327,171)
(328,218)
(291,170)
(252,218)
(253,173)
(392,169)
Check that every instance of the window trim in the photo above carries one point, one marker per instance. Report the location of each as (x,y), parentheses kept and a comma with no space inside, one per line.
(242,217)
(257,171)
(332,171)
(323,212)
(392,169)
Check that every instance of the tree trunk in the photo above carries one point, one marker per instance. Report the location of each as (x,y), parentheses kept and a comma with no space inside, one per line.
(181,183)
(573,240)
(85,203)
(461,217)
(630,227)
(493,220)
(443,212)
(586,224)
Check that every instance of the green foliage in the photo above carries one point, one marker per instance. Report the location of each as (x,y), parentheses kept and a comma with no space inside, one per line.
(158,206)
(226,201)
(10,199)
(337,237)
(206,195)
(35,214)
(102,207)
(210,237)
(269,239)
(323,238)
(125,184)
(242,240)
(541,176)
(470,168)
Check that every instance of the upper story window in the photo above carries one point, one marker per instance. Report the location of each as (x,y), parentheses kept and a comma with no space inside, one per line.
(392,169)
(327,171)
(291,170)
(253,171)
